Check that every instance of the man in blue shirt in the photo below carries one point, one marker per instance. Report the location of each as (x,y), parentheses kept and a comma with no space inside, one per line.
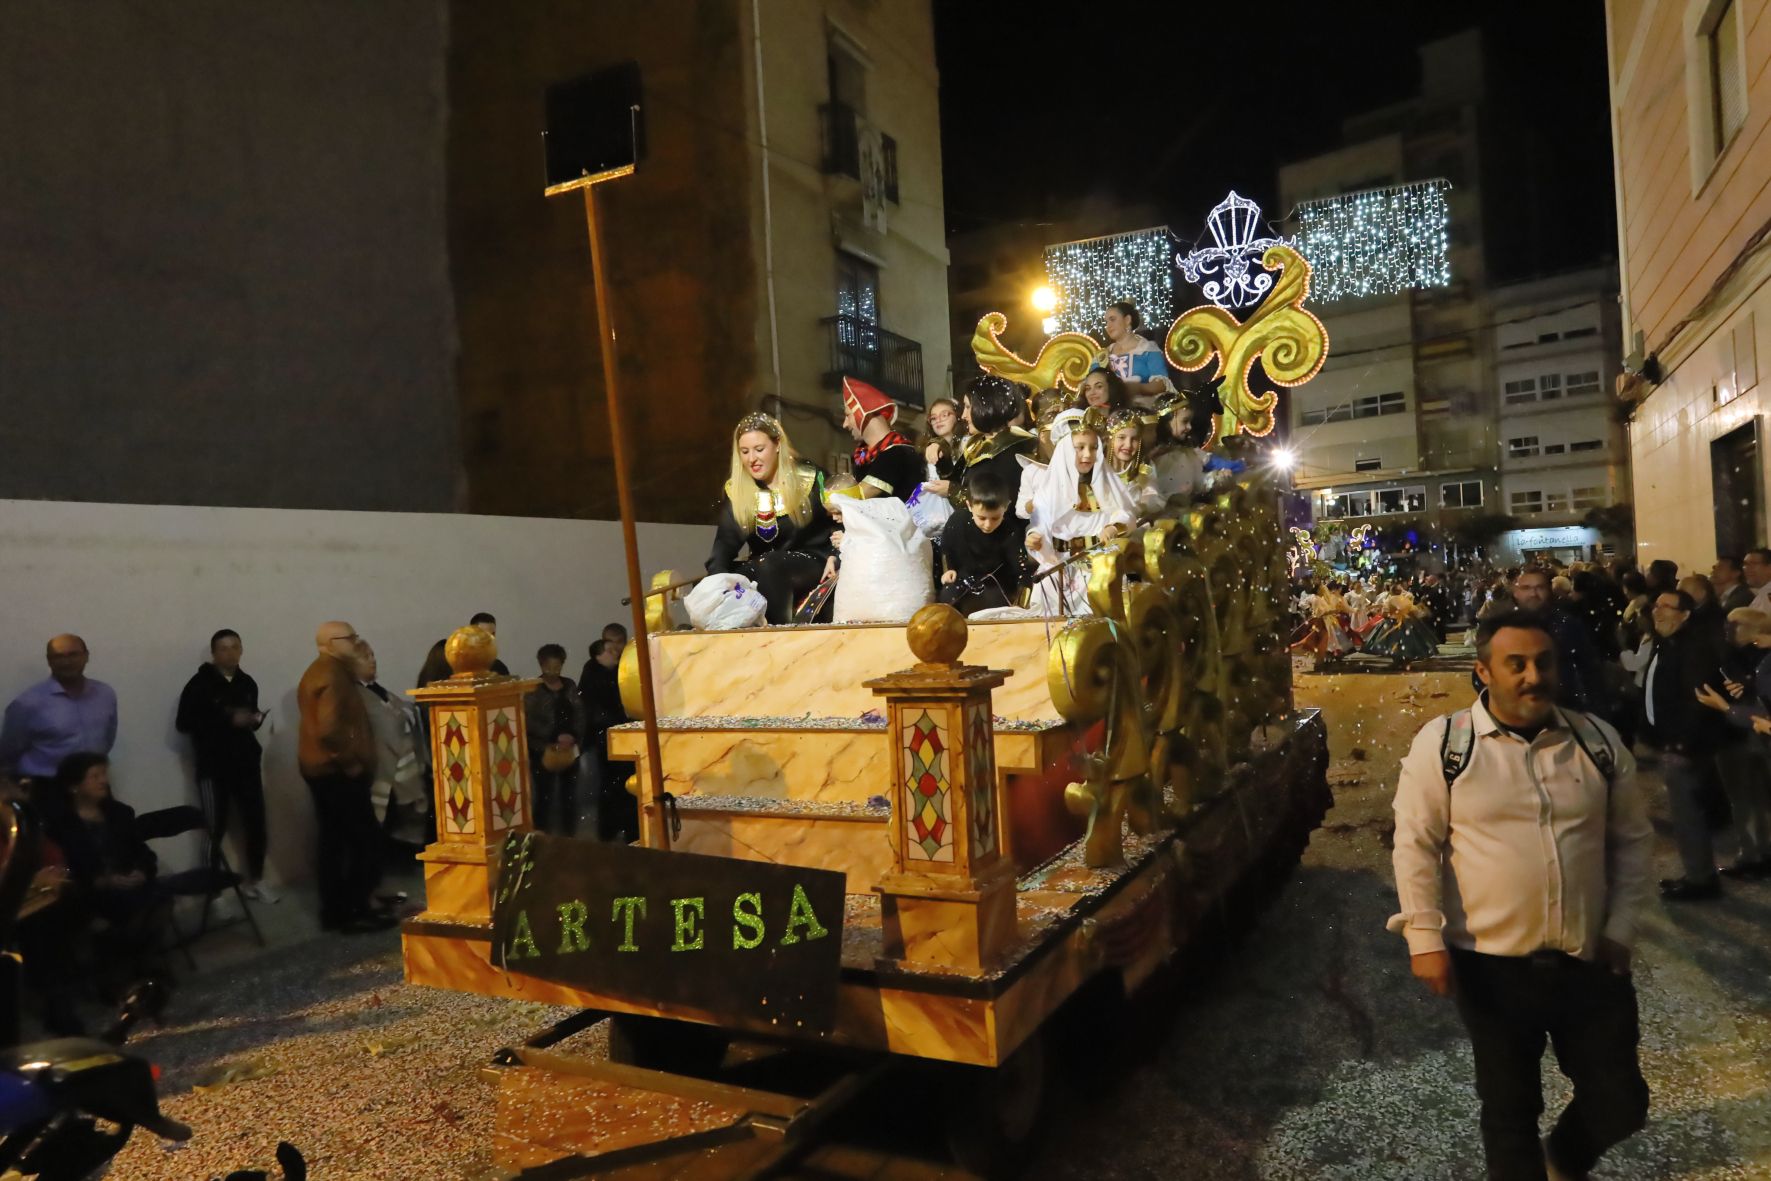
(63,715)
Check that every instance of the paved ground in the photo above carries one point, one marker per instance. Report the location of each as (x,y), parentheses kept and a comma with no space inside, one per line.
(1309,1052)
(1305,1052)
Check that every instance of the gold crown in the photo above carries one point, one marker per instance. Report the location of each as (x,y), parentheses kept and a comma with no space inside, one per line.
(1120,419)
(758,421)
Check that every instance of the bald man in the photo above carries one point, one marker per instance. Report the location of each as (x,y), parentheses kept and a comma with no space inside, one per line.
(67,714)
(337,757)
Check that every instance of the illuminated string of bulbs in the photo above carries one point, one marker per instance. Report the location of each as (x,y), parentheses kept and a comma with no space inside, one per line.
(1377,242)
(1088,276)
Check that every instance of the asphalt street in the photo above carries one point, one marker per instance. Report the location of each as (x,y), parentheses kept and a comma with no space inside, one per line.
(1307,1051)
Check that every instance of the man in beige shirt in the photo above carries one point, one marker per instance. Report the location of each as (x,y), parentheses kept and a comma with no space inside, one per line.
(1522,861)
(337,758)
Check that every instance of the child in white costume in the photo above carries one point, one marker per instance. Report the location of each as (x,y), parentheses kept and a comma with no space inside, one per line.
(1071,505)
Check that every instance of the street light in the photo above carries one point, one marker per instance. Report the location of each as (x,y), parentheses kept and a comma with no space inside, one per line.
(1285,459)
(1045,300)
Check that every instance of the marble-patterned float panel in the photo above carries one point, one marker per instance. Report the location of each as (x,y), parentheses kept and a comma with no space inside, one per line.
(793,671)
(828,765)
(859,848)
(834,766)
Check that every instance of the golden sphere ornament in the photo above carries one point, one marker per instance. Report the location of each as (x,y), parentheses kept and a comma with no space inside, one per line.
(471,651)
(937,634)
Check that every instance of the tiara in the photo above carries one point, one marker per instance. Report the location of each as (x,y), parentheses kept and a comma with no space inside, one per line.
(1120,419)
(758,421)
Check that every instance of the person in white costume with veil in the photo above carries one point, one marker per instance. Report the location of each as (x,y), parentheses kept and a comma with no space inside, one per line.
(1072,504)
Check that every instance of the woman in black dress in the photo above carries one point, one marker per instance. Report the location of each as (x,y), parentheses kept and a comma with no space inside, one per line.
(773,512)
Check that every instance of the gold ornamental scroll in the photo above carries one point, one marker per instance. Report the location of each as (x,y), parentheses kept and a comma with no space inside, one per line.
(1289,342)
(1062,362)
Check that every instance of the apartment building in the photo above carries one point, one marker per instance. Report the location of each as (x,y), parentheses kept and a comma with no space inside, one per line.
(1563,449)
(1441,409)
(1691,129)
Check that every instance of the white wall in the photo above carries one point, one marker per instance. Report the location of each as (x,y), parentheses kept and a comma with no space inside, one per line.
(1671,435)
(146,585)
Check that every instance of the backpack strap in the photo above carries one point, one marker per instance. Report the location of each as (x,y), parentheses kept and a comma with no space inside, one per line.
(1456,744)
(1592,742)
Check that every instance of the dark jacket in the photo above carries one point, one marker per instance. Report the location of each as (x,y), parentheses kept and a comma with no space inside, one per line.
(812,538)
(1757,701)
(600,690)
(550,713)
(1677,666)
(895,468)
(113,846)
(1001,454)
(1737,596)
(205,710)
(971,553)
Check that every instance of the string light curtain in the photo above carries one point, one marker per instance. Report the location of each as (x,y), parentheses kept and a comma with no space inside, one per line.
(1377,242)
(1090,274)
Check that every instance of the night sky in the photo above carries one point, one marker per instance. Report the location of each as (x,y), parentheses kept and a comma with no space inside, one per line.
(1185,101)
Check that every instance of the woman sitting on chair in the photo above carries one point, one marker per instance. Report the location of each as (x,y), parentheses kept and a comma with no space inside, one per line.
(110,866)
(774,509)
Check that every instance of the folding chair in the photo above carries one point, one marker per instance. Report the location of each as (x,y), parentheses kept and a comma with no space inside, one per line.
(207,881)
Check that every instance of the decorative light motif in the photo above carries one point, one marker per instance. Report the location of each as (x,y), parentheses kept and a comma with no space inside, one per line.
(1235,258)
(1303,553)
(1377,242)
(1289,342)
(1090,274)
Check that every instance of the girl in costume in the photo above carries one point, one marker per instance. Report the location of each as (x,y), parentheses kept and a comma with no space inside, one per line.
(1072,506)
(943,447)
(1104,390)
(773,508)
(1326,632)
(1137,360)
(1125,448)
(1404,634)
(995,446)
(1358,607)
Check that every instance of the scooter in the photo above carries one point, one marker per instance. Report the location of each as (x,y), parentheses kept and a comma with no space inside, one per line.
(68,1105)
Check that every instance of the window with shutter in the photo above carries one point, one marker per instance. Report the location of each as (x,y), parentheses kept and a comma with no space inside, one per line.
(1727,85)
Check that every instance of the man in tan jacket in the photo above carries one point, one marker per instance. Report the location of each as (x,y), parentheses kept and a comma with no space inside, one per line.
(337,757)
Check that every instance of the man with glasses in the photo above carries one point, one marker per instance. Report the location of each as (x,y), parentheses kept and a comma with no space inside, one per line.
(67,714)
(337,757)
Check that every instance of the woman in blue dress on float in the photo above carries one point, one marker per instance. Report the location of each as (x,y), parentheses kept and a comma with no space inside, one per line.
(1135,359)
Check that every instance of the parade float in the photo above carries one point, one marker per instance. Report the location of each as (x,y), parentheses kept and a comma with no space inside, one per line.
(867,846)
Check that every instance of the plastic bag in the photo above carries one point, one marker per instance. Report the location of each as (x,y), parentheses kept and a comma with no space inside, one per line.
(887,565)
(721,602)
(929,512)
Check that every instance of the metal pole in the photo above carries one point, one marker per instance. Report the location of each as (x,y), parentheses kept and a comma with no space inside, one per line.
(654,833)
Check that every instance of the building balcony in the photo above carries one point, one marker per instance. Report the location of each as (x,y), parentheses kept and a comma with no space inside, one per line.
(863,350)
(1601,457)
(845,133)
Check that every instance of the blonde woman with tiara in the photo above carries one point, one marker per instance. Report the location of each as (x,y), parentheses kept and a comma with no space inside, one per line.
(773,512)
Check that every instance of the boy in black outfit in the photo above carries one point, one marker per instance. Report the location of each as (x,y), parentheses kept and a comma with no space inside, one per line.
(983,559)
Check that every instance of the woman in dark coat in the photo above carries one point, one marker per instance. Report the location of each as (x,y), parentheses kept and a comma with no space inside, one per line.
(773,512)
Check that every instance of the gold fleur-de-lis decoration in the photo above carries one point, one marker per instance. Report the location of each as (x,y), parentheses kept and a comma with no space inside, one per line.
(1062,363)
(1289,342)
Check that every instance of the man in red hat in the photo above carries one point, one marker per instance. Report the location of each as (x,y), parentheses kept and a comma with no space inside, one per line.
(886,463)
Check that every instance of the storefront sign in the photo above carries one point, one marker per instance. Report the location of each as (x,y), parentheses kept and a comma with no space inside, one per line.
(735,938)
(1563,538)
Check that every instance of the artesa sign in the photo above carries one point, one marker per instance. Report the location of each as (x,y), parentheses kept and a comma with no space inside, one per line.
(735,938)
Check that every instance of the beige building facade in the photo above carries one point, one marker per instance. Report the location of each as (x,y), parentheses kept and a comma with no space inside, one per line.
(1691,106)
